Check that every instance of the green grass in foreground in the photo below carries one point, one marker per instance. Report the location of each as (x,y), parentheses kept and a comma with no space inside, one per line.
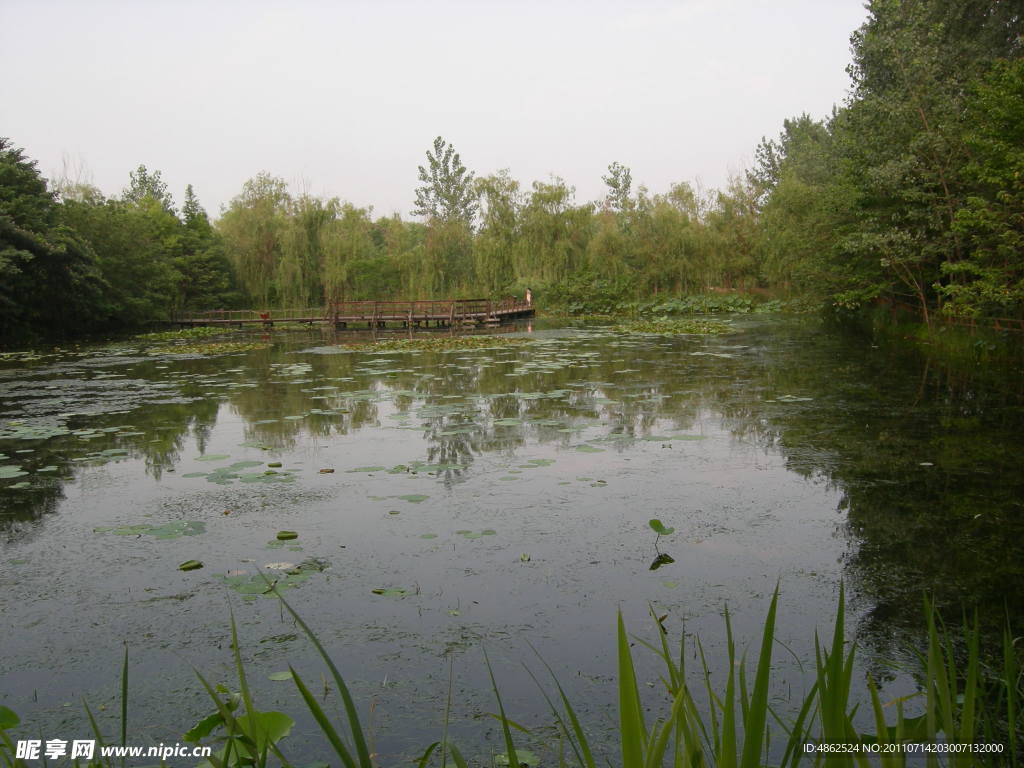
(729,723)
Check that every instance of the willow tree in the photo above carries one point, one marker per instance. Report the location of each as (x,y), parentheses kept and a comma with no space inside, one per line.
(500,204)
(348,245)
(554,234)
(299,270)
(253,228)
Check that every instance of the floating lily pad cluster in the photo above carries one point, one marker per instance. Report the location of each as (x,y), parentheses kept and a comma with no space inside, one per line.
(438,343)
(671,326)
(253,585)
(476,534)
(236,471)
(171,530)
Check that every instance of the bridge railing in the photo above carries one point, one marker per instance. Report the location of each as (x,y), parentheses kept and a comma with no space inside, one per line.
(415,310)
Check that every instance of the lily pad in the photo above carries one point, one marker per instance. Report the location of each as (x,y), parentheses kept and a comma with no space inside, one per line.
(286,535)
(659,528)
(190,565)
(213,457)
(392,592)
(524,756)
(414,498)
(584,448)
(368,469)
(166,531)
(280,676)
(11,470)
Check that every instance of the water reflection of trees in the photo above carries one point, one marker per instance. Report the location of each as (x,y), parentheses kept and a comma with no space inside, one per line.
(925,462)
(927,466)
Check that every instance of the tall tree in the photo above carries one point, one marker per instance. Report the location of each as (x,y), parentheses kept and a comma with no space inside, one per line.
(619,182)
(143,184)
(446,192)
(49,281)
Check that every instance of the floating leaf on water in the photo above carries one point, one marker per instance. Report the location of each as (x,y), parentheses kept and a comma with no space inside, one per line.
(393,592)
(524,558)
(11,470)
(394,512)
(525,757)
(659,528)
(213,457)
(428,536)
(274,464)
(477,534)
(190,565)
(414,498)
(368,469)
(20,485)
(245,464)
(670,584)
(166,531)
(327,471)
(280,676)
(584,448)
(279,566)
(286,535)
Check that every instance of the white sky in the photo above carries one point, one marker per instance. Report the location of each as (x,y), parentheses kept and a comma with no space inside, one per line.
(348,96)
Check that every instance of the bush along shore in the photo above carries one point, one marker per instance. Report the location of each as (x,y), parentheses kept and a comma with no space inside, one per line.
(966,712)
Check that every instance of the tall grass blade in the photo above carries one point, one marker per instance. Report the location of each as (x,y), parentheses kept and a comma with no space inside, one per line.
(422,762)
(358,738)
(323,721)
(757,713)
(631,719)
(100,743)
(726,750)
(124,699)
(577,738)
(1012,677)
(513,759)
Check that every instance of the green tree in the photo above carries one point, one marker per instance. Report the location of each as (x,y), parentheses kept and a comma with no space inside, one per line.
(143,184)
(446,192)
(619,182)
(253,227)
(990,279)
(49,281)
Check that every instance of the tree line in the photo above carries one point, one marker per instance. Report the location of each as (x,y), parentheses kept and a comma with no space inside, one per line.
(912,191)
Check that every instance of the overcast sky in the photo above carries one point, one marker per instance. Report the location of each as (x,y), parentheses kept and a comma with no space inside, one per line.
(346,97)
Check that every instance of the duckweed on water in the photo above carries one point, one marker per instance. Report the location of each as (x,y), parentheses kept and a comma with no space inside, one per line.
(438,344)
(208,348)
(200,332)
(673,326)
(173,530)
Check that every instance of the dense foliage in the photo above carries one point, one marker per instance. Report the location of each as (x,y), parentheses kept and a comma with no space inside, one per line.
(911,193)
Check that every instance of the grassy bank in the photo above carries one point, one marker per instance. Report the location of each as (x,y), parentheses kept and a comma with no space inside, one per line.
(967,713)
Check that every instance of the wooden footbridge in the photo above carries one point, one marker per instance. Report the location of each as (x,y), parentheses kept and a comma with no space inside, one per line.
(376,314)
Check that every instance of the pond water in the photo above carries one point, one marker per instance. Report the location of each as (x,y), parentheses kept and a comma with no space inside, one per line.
(498,497)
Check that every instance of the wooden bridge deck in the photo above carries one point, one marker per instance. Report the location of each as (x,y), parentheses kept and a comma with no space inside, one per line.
(376,314)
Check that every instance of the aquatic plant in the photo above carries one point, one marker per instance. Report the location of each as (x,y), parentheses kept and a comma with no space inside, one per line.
(671,326)
(730,724)
(198,332)
(437,343)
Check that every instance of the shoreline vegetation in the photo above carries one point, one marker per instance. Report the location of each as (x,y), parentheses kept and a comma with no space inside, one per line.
(908,195)
(965,712)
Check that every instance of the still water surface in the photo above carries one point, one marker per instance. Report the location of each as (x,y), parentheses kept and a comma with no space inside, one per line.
(496,496)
